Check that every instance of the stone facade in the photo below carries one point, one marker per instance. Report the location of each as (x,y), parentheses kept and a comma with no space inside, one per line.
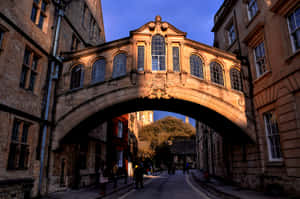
(271,87)
(28,28)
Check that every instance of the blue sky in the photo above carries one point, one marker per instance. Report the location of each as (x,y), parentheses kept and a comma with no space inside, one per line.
(192,16)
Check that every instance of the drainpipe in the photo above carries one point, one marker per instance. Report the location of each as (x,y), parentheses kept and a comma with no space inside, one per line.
(53,75)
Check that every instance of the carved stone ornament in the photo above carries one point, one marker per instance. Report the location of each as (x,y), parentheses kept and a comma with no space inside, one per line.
(164,26)
(158,94)
(151,25)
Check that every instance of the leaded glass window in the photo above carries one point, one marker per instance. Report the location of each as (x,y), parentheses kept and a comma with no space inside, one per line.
(196,66)
(176,66)
(272,136)
(38,12)
(235,77)
(77,76)
(19,148)
(252,9)
(216,73)
(158,52)
(119,68)
(98,72)
(260,59)
(141,59)
(294,27)
(231,34)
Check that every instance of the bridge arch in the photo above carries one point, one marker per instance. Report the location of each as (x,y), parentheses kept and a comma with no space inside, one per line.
(148,89)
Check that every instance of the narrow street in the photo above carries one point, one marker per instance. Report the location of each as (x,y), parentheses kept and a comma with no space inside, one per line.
(176,186)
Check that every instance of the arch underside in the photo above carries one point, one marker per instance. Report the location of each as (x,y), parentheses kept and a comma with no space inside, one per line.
(226,118)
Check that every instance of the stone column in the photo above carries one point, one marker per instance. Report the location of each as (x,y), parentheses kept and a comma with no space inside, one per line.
(148,66)
(169,62)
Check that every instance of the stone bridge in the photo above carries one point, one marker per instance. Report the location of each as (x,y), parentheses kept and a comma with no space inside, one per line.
(156,68)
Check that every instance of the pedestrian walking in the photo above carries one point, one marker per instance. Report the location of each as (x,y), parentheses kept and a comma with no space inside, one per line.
(114,174)
(125,175)
(138,176)
(103,178)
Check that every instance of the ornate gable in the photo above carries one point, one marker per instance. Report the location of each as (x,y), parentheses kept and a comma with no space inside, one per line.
(158,26)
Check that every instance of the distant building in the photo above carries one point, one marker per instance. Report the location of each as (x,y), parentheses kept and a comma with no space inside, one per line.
(183,152)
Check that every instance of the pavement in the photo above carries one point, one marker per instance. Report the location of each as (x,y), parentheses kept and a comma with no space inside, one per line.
(92,192)
(219,189)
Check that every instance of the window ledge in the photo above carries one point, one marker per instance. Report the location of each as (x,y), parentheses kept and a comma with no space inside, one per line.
(252,19)
(275,163)
(262,77)
(289,58)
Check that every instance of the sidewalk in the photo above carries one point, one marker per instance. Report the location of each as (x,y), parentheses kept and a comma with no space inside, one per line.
(92,192)
(221,190)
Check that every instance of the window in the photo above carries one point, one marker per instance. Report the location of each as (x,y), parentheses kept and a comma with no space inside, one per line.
(77,76)
(119,68)
(75,42)
(120,129)
(19,148)
(29,70)
(141,59)
(235,77)
(38,12)
(260,59)
(196,66)
(92,27)
(120,159)
(1,37)
(252,9)
(272,136)
(84,13)
(294,28)
(98,72)
(176,66)
(158,52)
(216,73)
(231,34)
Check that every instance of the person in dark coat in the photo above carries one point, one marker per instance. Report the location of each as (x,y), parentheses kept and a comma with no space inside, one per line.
(139,176)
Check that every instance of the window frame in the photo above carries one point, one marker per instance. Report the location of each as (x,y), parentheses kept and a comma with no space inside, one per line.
(262,58)
(41,12)
(201,66)
(267,134)
(102,79)
(250,17)
(238,80)
(117,66)
(213,80)
(32,70)
(294,49)
(230,32)
(120,129)
(140,68)
(81,77)
(176,68)
(20,141)
(160,55)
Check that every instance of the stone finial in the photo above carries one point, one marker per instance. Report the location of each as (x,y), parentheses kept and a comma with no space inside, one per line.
(158,18)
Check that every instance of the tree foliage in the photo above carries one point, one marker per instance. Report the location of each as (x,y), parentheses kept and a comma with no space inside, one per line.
(162,132)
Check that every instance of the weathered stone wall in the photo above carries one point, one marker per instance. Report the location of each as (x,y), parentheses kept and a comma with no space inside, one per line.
(277,90)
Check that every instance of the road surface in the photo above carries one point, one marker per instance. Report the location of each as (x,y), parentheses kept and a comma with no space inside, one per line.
(178,186)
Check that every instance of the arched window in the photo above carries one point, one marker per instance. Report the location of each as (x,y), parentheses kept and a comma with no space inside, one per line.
(216,73)
(98,72)
(158,52)
(77,76)
(235,77)
(119,65)
(196,66)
